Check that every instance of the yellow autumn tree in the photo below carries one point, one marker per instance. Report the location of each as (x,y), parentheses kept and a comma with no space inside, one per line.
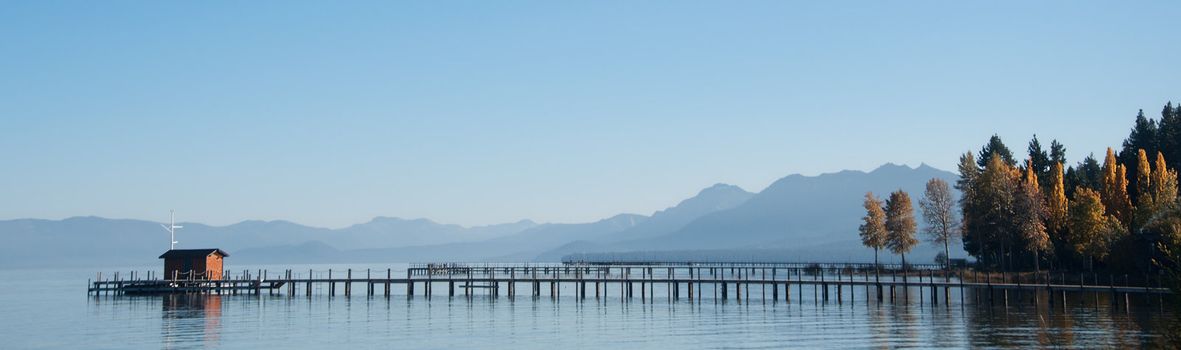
(873,228)
(1056,203)
(1114,193)
(1091,230)
(1029,212)
(1143,178)
(1121,200)
(1145,203)
(1164,183)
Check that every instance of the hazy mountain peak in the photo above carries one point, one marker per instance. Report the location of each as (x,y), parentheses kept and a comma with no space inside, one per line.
(721,188)
(891,167)
(397,220)
(925,167)
(625,219)
(525,222)
(257,223)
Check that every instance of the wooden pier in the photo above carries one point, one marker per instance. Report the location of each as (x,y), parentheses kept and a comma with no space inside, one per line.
(674,281)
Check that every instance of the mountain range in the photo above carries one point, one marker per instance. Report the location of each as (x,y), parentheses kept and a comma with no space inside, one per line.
(795,218)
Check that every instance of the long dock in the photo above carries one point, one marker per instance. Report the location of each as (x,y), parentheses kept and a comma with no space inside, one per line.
(674,281)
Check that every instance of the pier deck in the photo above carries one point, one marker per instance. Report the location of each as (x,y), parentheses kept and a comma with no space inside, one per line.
(722,281)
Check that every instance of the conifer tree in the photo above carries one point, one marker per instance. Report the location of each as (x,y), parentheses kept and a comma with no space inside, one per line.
(1039,160)
(1144,135)
(968,174)
(969,208)
(1169,135)
(1087,174)
(1057,152)
(900,224)
(995,147)
(873,227)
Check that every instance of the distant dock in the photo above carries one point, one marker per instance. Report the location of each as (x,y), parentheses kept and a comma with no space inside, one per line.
(646,282)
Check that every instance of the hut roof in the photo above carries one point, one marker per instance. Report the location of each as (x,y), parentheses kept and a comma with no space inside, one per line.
(190,253)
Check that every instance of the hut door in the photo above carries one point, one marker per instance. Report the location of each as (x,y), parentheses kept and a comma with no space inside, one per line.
(188,266)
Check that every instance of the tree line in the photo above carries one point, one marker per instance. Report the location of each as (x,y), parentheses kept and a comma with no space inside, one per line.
(1118,215)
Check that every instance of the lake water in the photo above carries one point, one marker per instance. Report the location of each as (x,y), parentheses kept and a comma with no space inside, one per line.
(49,308)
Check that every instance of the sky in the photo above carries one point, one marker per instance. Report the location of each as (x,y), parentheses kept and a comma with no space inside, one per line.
(482,112)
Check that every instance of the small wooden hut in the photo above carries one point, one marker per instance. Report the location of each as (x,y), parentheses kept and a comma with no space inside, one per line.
(197,264)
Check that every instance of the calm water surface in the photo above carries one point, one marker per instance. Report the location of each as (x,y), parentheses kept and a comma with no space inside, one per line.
(50,309)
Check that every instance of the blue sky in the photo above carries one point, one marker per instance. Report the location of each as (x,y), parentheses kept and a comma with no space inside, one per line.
(479,112)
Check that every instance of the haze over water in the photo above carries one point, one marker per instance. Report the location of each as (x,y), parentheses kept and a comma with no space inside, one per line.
(50,309)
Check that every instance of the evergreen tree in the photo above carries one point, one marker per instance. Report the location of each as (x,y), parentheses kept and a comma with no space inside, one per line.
(1087,174)
(1143,136)
(1169,135)
(1030,215)
(939,213)
(900,224)
(995,147)
(1057,152)
(968,174)
(873,228)
(1039,160)
(969,208)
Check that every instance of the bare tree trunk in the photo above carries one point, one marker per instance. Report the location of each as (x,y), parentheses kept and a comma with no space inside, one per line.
(1037,268)
(1000,257)
(876,273)
(947,260)
(903,267)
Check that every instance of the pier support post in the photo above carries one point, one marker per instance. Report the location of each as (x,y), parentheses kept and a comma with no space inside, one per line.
(935,295)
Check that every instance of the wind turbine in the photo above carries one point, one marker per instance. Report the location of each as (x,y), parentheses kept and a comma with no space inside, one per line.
(171,228)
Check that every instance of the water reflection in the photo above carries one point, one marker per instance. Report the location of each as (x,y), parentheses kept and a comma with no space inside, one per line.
(971,320)
(1086,320)
(191,319)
